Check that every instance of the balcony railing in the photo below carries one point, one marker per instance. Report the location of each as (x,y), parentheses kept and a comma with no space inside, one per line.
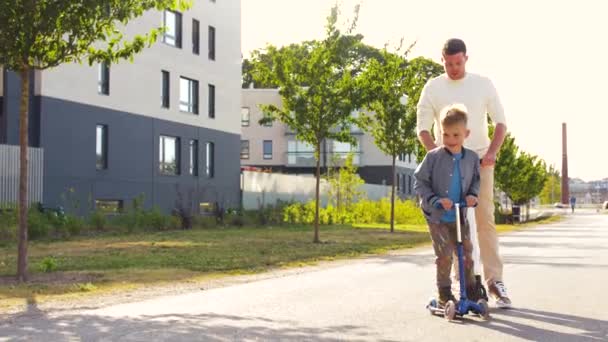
(307,159)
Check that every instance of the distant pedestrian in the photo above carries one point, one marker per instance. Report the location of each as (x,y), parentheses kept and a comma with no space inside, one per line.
(572,202)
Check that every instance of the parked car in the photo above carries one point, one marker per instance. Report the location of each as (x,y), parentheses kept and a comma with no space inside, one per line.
(559,205)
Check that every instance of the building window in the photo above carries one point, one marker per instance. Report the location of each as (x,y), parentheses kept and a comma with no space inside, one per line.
(103,79)
(173,28)
(165,85)
(208,208)
(196,36)
(212,43)
(188,95)
(194,157)
(409,184)
(267,149)
(245,116)
(109,206)
(210,160)
(244,149)
(169,155)
(211,101)
(398,182)
(101,147)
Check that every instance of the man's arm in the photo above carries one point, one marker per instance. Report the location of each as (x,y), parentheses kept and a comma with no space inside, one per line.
(489,159)
(497,114)
(425,116)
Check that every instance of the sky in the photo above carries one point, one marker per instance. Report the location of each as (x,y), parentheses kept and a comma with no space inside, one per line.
(547,59)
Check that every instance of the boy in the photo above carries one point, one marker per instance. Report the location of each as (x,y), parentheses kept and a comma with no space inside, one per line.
(449,174)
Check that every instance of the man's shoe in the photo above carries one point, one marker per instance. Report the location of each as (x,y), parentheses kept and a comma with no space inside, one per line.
(499,291)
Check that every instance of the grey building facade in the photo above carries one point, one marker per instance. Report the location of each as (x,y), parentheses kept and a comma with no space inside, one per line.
(163,127)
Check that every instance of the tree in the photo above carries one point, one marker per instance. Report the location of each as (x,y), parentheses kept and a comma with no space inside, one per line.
(360,52)
(42,34)
(552,189)
(419,71)
(318,90)
(386,83)
(520,175)
(344,184)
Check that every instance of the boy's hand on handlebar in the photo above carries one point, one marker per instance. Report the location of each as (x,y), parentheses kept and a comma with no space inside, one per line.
(471,201)
(446,203)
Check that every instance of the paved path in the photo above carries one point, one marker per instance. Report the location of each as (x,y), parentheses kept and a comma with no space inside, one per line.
(557,276)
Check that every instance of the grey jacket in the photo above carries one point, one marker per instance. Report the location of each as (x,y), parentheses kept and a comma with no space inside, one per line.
(434,176)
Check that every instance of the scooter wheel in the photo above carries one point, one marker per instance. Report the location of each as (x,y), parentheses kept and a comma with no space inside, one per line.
(485,309)
(449,310)
(432,306)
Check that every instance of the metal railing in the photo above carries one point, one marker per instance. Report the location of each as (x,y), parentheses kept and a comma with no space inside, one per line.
(9,174)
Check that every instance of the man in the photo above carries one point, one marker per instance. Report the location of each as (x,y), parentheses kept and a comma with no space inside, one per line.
(478,95)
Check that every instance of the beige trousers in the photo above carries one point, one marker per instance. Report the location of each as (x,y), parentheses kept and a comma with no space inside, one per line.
(486,229)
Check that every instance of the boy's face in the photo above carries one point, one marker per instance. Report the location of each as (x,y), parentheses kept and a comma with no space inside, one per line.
(454,135)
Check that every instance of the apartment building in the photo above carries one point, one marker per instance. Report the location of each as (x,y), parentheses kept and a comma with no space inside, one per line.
(275,147)
(162,126)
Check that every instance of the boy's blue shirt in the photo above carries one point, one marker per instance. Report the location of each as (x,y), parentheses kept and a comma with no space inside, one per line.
(455,193)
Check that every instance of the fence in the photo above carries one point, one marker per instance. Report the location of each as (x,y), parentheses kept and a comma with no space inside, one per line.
(9,174)
(261,188)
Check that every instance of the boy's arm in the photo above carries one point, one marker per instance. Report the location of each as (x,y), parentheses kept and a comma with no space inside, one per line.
(422,181)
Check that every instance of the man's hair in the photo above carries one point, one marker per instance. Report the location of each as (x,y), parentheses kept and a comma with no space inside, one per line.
(453,46)
(453,115)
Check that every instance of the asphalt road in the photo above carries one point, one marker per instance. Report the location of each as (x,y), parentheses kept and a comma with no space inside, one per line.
(557,276)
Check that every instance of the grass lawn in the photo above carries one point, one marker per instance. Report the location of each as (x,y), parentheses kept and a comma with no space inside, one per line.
(106,263)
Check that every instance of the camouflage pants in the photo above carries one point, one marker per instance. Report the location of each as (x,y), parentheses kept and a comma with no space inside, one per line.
(444,243)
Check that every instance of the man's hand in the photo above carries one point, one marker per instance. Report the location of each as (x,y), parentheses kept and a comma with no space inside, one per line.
(446,203)
(427,141)
(489,159)
(471,201)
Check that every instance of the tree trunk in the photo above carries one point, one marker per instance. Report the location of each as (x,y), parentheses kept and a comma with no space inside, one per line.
(23,167)
(393,198)
(318,180)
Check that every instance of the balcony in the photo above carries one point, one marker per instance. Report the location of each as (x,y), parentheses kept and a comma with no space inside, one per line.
(307,159)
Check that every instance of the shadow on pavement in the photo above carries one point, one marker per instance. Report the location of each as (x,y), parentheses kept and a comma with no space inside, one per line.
(36,325)
(590,329)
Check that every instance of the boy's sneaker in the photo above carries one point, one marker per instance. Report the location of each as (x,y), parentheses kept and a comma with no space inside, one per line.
(445,295)
(499,291)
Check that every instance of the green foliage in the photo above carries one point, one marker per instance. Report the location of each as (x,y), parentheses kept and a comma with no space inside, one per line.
(364,211)
(8,223)
(419,71)
(519,174)
(98,220)
(552,191)
(344,184)
(48,264)
(317,84)
(72,31)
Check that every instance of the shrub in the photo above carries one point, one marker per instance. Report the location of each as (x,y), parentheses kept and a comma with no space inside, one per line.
(48,264)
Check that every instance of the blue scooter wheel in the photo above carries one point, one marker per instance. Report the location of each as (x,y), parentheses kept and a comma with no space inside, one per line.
(485,309)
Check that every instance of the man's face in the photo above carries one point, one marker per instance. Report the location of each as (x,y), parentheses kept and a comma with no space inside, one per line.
(454,135)
(455,65)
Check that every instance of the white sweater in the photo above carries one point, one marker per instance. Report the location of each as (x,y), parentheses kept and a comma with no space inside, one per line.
(475,92)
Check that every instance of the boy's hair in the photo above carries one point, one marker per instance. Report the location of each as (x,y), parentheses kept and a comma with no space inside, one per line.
(454,114)
(453,46)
